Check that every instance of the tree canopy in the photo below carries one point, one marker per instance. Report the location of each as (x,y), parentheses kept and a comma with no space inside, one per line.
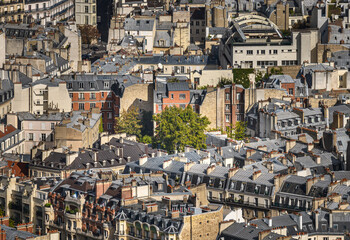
(88,33)
(239,130)
(177,128)
(241,76)
(128,122)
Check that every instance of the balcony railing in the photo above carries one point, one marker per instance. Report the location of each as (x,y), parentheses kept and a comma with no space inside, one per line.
(239,202)
(289,207)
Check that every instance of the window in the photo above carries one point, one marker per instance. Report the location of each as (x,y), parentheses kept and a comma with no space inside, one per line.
(109,115)
(109,125)
(227,107)
(197,31)
(182,69)
(92,105)
(227,96)
(52,126)
(86,20)
(71,95)
(94,9)
(92,96)
(106,85)
(43,137)
(31,136)
(172,96)
(159,107)
(109,104)
(183,106)
(81,95)
(238,96)
(275,51)
(92,85)
(249,52)
(197,23)
(81,106)
(70,85)
(263,52)
(86,9)
(81,85)
(102,94)
(290,91)
(227,118)
(182,96)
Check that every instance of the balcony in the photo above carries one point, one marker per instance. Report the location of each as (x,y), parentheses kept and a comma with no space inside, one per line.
(4,3)
(239,203)
(289,207)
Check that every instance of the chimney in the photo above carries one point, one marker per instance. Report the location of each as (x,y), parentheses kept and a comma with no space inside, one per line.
(94,156)
(310,146)
(175,214)
(166,163)
(316,215)
(309,184)
(269,166)
(256,175)
(188,166)
(210,169)
(128,159)
(250,152)
(262,148)
(269,222)
(330,219)
(318,159)
(290,143)
(232,172)
(133,183)
(300,221)
(2,127)
(143,159)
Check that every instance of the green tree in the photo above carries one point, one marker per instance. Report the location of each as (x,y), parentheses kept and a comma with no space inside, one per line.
(11,223)
(239,130)
(177,127)
(128,122)
(224,81)
(146,139)
(241,76)
(100,128)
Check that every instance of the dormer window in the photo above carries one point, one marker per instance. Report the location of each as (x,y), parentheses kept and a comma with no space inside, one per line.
(106,84)
(81,85)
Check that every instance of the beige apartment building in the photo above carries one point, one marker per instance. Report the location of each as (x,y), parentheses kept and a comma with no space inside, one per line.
(85,12)
(80,130)
(11,11)
(41,96)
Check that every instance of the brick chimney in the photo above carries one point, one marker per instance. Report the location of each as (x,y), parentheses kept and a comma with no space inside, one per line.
(290,143)
(188,166)
(232,172)
(256,175)
(310,146)
(143,159)
(210,169)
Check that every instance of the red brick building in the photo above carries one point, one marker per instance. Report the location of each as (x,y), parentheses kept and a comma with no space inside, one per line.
(92,91)
(176,94)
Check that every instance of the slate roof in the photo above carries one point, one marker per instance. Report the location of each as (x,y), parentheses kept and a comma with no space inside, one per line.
(13,233)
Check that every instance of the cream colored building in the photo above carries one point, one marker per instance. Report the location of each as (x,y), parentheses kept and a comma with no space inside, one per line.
(23,201)
(85,12)
(81,130)
(41,96)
